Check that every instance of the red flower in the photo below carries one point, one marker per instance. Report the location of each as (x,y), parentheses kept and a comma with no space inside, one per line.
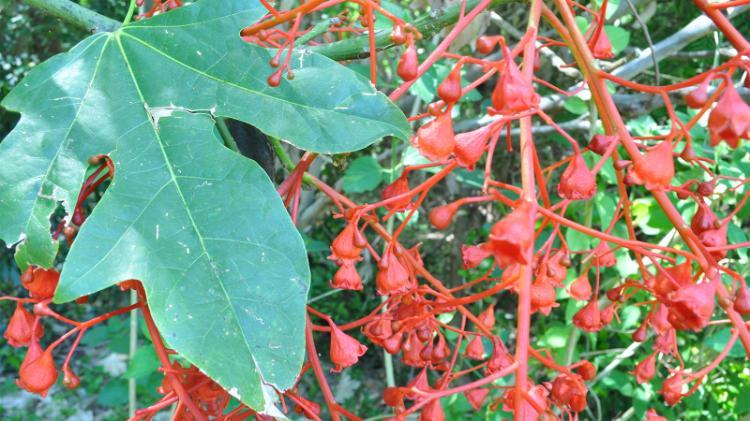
(704,219)
(586,370)
(378,330)
(412,348)
(645,370)
(470,146)
(730,119)
(306,408)
(393,397)
(608,314)
(433,411)
(436,139)
(672,278)
(419,383)
(742,299)
(513,92)
(656,169)
(475,349)
(19,330)
(393,277)
(600,143)
(345,350)
(70,380)
(569,390)
(408,64)
(715,238)
(580,289)
(398,187)
(691,307)
(577,181)
(659,319)
(38,372)
(485,44)
(671,388)
(600,46)
(603,256)
(698,97)
(345,246)
(41,283)
(347,277)
(476,397)
(652,415)
(487,317)
(666,342)
(500,358)
(512,236)
(472,256)
(543,297)
(449,89)
(442,216)
(588,318)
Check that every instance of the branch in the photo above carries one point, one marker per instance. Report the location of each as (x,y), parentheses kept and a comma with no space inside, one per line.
(76,14)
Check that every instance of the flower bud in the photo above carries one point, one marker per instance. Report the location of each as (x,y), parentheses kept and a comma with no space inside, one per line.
(408,64)
(442,216)
(588,318)
(38,374)
(645,370)
(577,181)
(580,289)
(600,143)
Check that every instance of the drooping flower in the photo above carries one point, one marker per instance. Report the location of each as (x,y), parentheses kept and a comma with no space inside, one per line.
(485,44)
(656,169)
(378,330)
(698,97)
(580,289)
(659,319)
(666,342)
(436,139)
(715,238)
(472,256)
(487,317)
(433,411)
(742,299)
(586,370)
(419,382)
(398,187)
(513,93)
(603,256)
(555,269)
(345,350)
(640,334)
(475,349)
(470,146)
(600,45)
(393,277)
(512,236)
(600,143)
(40,282)
(672,278)
(568,390)
(608,314)
(730,119)
(500,358)
(344,246)
(645,370)
(577,181)
(691,307)
(476,397)
(588,318)
(408,64)
(543,297)
(671,388)
(394,397)
(347,277)
(442,216)
(652,415)
(37,374)
(20,327)
(704,219)
(70,379)
(449,89)
(306,408)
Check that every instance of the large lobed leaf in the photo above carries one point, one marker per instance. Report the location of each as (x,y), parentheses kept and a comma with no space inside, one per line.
(224,269)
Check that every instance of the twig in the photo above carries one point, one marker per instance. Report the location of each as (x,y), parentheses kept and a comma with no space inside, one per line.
(76,14)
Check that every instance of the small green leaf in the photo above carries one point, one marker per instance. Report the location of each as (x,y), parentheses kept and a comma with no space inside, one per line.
(618,37)
(576,105)
(143,363)
(364,174)
(719,340)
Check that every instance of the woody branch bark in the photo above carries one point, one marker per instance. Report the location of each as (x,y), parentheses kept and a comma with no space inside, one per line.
(614,125)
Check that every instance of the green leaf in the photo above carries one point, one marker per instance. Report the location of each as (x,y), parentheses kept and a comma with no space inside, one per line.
(719,340)
(575,105)
(618,37)
(143,363)
(84,102)
(224,269)
(364,174)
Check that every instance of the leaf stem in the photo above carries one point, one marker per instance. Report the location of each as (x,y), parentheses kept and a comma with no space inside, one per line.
(129,16)
(76,14)
(226,135)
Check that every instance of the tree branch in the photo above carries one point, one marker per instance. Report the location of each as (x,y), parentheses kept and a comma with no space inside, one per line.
(76,14)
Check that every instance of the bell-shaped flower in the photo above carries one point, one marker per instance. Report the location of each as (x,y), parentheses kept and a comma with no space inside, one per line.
(436,139)
(715,238)
(513,93)
(37,375)
(347,277)
(671,388)
(645,370)
(472,256)
(512,236)
(742,299)
(449,89)
(475,349)
(470,146)
(600,143)
(704,219)
(600,45)
(433,411)
(20,327)
(577,181)
(691,307)
(580,289)
(656,169)
(672,278)
(408,64)
(345,350)
(543,297)
(40,282)
(500,358)
(603,256)
(730,119)
(442,216)
(588,318)
(570,391)
(586,370)
(393,277)
(344,246)
(398,187)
